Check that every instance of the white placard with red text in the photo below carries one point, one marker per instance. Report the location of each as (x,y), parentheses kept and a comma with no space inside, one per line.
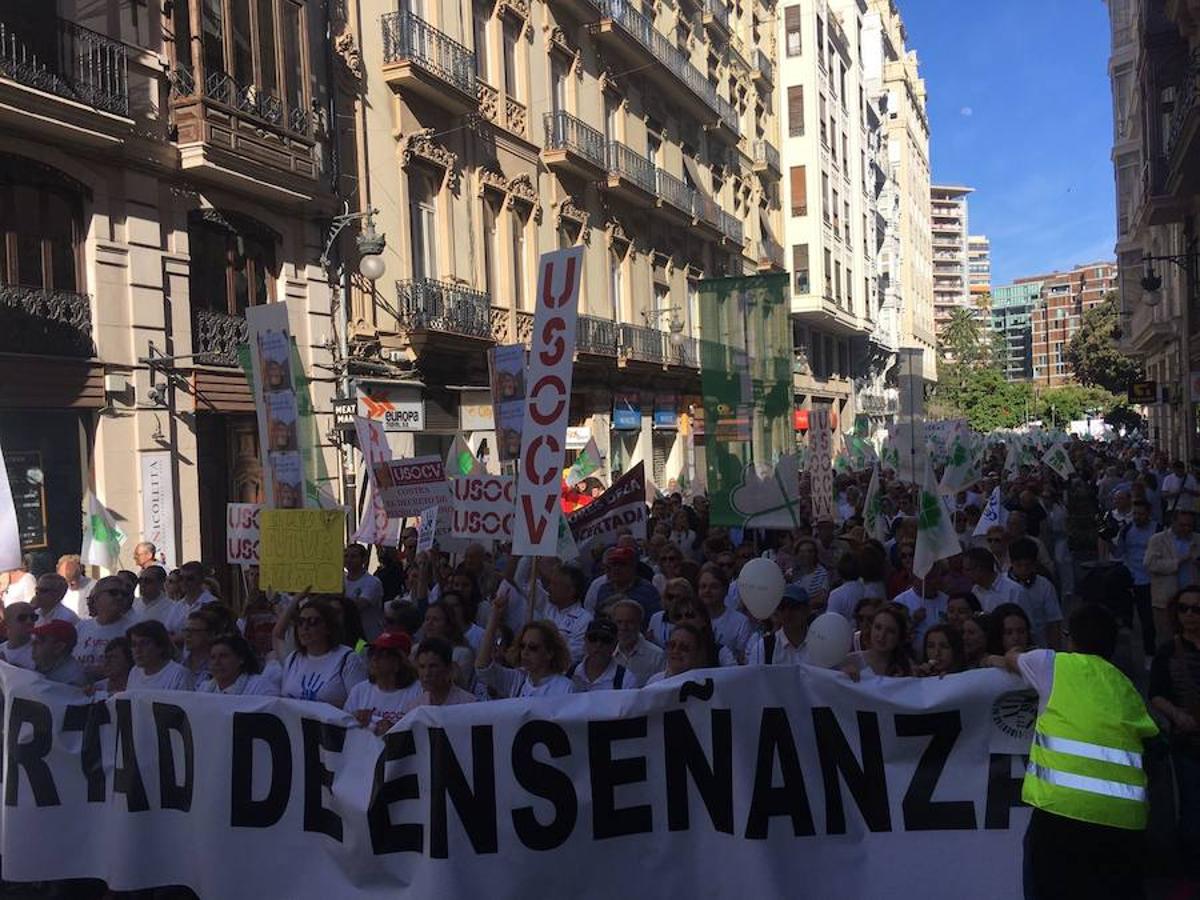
(484,507)
(547,403)
(241,533)
(409,486)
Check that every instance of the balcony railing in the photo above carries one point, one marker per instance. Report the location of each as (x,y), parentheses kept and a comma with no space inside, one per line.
(729,114)
(765,152)
(718,12)
(631,165)
(1187,94)
(597,336)
(674,191)
(426,305)
(35,320)
(646,344)
(408,37)
(68,60)
(763,66)
(731,227)
(685,352)
(216,337)
(706,209)
(565,132)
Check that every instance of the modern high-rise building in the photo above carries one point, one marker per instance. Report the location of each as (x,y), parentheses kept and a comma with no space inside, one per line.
(1065,297)
(951,274)
(1011,327)
(979,270)
(906,259)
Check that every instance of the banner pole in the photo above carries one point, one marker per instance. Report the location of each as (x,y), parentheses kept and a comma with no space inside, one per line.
(531,596)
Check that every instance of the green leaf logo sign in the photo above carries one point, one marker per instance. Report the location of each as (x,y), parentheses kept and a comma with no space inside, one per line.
(931,511)
(958,456)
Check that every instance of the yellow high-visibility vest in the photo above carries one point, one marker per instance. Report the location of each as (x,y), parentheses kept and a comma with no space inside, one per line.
(1086,758)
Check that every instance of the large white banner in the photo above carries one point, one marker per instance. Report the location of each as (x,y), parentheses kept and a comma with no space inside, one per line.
(548,403)
(158,505)
(719,783)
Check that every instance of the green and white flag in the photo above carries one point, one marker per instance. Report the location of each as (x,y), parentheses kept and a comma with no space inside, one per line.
(963,466)
(1058,460)
(873,509)
(1012,460)
(588,462)
(102,539)
(936,537)
(461,462)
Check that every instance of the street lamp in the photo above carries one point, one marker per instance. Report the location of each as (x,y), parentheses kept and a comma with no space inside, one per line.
(676,336)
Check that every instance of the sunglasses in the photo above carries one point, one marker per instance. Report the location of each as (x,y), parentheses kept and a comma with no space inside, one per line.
(1186,608)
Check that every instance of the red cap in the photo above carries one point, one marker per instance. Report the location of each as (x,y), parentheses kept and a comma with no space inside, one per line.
(621,555)
(393,640)
(56,630)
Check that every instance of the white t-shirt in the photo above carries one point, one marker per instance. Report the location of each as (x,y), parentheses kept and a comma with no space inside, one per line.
(1037,668)
(171,613)
(785,653)
(1173,484)
(327,678)
(21,590)
(1003,590)
(733,630)
(515,683)
(935,613)
(572,623)
(171,677)
(385,706)
(94,637)
(367,593)
(844,597)
(18,656)
(1040,602)
(58,612)
(76,598)
(249,685)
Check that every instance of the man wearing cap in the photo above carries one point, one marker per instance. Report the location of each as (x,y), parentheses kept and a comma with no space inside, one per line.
(598,670)
(785,645)
(620,567)
(48,600)
(53,642)
(377,703)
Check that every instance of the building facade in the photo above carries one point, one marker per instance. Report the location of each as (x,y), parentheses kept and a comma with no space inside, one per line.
(163,168)
(1154,69)
(1065,297)
(489,134)
(1011,322)
(951,272)
(979,271)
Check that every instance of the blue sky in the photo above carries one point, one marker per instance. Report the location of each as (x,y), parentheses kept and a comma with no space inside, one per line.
(1020,110)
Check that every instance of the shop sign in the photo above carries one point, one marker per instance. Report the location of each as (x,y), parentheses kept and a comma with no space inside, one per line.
(627,411)
(666,412)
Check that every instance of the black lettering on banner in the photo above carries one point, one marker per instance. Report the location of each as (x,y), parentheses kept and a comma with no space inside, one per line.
(244,810)
(1004,791)
(867,782)
(775,740)
(607,774)
(545,781)
(476,807)
(127,777)
(89,720)
(29,755)
(683,755)
(921,811)
(171,718)
(318,736)
(386,837)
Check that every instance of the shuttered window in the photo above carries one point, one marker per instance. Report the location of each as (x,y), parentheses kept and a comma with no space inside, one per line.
(795,110)
(799,191)
(791,22)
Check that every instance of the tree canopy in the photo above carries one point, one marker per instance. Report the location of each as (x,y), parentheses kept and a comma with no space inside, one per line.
(1093,352)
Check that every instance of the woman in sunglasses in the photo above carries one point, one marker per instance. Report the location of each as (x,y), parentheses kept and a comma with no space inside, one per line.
(322,667)
(539,658)
(694,613)
(686,650)
(677,590)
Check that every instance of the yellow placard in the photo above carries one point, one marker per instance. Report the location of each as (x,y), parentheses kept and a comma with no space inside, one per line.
(301,548)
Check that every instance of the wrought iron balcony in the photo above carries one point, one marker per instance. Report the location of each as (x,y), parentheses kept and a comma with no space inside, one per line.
(731,227)
(674,191)
(685,352)
(67,60)
(627,165)
(1185,122)
(54,323)
(596,336)
(216,337)
(419,57)
(641,343)
(766,157)
(764,70)
(423,304)
(574,144)
(729,116)
(716,15)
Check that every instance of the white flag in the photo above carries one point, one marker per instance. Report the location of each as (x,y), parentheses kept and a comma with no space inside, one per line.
(102,539)
(461,462)
(1012,461)
(962,466)
(588,462)
(873,509)
(10,535)
(936,537)
(994,513)
(1058,460)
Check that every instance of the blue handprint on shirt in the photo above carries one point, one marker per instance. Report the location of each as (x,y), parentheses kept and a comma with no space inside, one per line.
(310,686)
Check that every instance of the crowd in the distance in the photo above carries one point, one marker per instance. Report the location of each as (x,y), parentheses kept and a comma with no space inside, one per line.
(433,628)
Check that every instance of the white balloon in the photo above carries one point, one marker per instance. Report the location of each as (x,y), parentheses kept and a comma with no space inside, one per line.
(760,586)
(828,641)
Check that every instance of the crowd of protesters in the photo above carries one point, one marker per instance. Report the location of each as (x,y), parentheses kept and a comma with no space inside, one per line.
(435,628)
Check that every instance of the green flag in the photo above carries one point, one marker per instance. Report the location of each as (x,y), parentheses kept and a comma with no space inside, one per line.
(586,463)
(936,537)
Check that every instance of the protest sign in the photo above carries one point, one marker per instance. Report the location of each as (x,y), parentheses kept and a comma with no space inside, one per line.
(720,782)
(820,462)
(767,501)
(301,548)
(242,530)
(408,486)
(10,534)
(507,364)
(374,526)
(621,506)
(276,405)
(994,514)
(427,530)
(548,404)
(484,507)
(102,539)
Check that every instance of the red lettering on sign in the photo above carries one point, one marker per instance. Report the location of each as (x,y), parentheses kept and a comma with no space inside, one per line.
(554,346)
(561,300)
(531,473)
(537,530)
(553,381)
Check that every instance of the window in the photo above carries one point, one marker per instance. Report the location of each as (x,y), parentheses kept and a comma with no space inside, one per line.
(846,219)
(833,144)
(231,267)
(512,81)
(825,196)
(41,235)
(481,13)
(837,282)
(615,281)
(612,118)
(828,275)
(654,148)
(423,224)
(181,21)
(558,84)
(821,108)
(791,26)
(799,191)
(835,207)
(491,249)
(520,220)
(800,282)
(293,58)
(820,42)
(795,110)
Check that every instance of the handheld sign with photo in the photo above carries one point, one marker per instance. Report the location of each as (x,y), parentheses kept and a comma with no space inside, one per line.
(427,530)
(547,405)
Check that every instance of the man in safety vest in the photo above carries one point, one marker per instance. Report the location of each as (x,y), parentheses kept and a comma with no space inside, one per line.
(1085,779)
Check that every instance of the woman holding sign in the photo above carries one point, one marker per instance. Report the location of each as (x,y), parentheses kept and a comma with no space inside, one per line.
(540,654)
